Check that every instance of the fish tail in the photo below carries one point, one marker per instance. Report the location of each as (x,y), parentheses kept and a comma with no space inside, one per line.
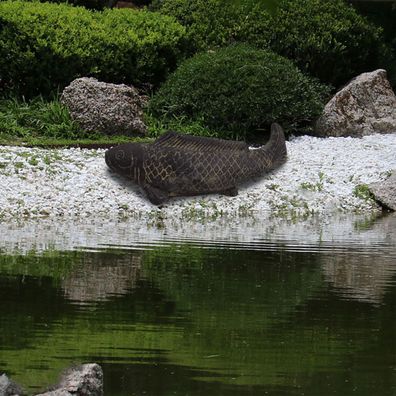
(277,145)
(274,153)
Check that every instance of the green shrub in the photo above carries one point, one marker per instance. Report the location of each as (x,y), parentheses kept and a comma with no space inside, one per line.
(240,89)
(326,38)
(44,46)
(217,23)
(90,4)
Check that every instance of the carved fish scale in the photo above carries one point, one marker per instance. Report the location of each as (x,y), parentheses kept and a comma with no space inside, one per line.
(194,172)
(176,164)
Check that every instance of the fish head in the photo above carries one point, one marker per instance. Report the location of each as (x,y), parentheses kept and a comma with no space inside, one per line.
(125,158)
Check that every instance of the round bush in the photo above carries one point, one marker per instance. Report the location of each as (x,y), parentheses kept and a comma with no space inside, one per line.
(240,89)
(44,46)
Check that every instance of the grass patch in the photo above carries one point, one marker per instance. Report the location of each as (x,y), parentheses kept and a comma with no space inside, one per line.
(362,191)
(21,119)
(159,125)
(47,123)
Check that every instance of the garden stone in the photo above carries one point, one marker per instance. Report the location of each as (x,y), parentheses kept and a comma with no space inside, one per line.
(365,106)
(8,387)
(83,380)
(103,107)
(58,392)
(385,191)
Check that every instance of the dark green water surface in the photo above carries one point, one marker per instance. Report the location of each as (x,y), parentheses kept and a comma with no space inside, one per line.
(184,317)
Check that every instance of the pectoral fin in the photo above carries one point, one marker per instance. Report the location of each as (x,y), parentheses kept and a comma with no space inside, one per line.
(231,192)
(155,195)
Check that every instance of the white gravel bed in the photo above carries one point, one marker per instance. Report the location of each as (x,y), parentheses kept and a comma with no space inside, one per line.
(320,177)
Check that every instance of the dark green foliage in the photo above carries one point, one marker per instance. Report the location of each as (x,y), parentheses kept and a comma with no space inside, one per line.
(23,119)
(240,89)
(214,23)
(383,14)
(327,38)
(44,46)
(90,4)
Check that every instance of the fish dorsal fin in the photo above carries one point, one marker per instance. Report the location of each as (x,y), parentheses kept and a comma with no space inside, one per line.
(198,143)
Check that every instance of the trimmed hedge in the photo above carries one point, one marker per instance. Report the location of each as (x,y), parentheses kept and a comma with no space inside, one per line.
(326,38)
(218,23)
(44,46)
(239,90)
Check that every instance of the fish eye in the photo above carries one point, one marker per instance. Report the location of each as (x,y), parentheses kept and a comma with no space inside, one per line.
(120,155)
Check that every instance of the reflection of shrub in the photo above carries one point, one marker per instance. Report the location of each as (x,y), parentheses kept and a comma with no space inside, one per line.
(43,45)
(240,89)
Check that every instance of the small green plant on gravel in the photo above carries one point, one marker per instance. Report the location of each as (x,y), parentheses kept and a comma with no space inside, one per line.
(157,219)
(318,186)
(47,160)
(33,161)
(308,186)
(273,186)
(363,192)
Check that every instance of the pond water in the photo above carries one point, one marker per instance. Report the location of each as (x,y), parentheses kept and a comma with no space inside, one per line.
(278,308)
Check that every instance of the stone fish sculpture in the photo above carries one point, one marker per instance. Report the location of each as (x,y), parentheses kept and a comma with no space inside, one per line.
(181,165)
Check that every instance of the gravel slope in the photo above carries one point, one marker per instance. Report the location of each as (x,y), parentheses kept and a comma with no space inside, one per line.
(319,177)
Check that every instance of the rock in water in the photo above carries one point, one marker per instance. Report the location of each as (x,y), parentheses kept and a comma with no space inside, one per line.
(385,191)
(365,106)
(180,165)
(109,108)
(8,387)
(84,380)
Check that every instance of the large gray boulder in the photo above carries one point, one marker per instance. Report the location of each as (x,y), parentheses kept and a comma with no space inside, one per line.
(365,106)
(84,380)
(103,107)
(385,192)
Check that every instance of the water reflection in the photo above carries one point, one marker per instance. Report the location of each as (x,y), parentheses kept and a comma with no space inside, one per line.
(337,234)
(100,276)
(362,277)
(310,313)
